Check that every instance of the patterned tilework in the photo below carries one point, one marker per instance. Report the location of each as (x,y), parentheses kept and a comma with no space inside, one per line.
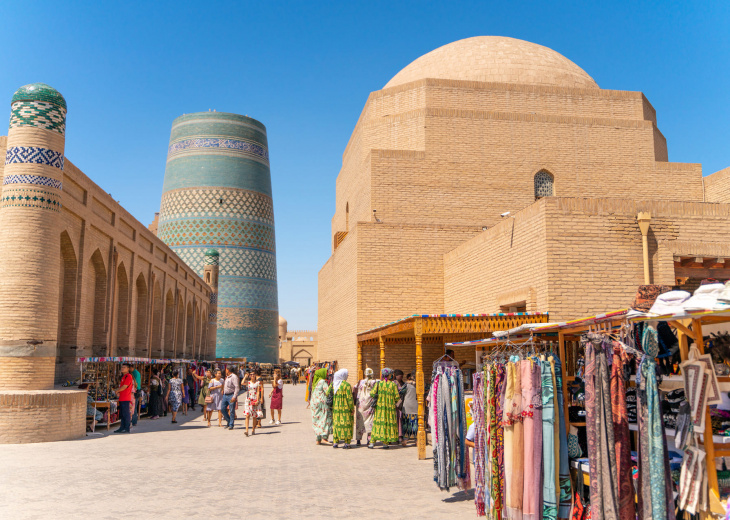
(213,298)
(40,180)
(34,155)
(217,232)
(29,198)
(251,333)
(38,114)
(199,144)
(39,92)
(211,317)
(248,293)
(233,261)
(206,202)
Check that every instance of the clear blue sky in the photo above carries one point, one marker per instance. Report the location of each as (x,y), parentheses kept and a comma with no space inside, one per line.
(305,70)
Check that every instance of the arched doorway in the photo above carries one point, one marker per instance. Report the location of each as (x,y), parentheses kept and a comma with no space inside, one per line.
(98,276)
(140,341)
(122,311)
(156,347)
(67,329)
(180,335)
(169,323)
(189,329)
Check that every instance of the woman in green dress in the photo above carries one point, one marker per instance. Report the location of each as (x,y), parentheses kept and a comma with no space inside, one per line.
(342,409)
(385,423)
(321,413)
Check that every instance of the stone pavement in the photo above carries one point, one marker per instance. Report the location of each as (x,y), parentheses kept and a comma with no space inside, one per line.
(187,470)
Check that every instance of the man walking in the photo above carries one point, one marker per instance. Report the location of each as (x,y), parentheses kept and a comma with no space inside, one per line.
(125,399)
(191,388)
(231,387)
(294,373)
(137,394)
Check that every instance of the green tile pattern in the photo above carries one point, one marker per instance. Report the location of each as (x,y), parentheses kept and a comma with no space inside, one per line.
(38,114)
(39,92)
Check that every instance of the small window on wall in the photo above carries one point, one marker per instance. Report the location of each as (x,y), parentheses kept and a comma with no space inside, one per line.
(543,184)
(514,307)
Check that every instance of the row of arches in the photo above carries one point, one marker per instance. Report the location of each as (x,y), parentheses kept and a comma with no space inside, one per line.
(117,316)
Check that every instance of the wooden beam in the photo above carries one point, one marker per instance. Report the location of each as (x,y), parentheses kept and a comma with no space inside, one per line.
(683,328)
(713,263)
(709,444)
(692,262)
(701,272)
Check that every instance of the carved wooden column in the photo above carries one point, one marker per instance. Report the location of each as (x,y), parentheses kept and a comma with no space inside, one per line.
(421,437)
(382,355)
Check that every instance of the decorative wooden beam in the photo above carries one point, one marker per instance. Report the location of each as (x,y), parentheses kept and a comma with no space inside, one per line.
(685,330)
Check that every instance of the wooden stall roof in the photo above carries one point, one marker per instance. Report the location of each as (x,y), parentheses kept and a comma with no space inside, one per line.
(456,326)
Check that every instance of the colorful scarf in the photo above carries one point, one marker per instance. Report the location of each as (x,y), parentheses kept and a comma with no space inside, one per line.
(477,411)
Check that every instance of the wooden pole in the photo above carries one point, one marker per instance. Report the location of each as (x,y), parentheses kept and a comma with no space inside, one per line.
(421,436)
(382,354)
(359,361)
(709,442)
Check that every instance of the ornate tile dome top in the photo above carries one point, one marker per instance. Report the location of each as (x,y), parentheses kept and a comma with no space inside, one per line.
(39,92)
(496,59)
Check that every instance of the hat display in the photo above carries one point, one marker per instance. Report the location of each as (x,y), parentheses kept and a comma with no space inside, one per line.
(670,303)
(704,298)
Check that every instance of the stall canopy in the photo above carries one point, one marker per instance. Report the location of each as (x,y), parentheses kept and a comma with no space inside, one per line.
(438,328)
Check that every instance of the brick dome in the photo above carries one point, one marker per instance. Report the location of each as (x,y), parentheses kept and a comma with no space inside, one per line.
(496,59)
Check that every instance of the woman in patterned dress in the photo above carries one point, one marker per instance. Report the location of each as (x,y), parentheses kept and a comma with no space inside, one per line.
(321,413)
(365,410)
(254,398)
(175,394)
(385,423)
(342,410)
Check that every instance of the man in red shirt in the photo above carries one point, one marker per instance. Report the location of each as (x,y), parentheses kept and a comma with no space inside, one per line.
(125,399)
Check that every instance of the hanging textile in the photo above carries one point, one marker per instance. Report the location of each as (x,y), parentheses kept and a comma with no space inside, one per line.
(451,460)
(532,439)
(549,491)
(655,502)
(621,434)
(498,434)
(565,492)
(599,430)
(479,443)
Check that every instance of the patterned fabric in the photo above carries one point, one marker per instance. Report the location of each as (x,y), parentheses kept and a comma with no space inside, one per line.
(515,485)
(621,435)
(385,422)
(532,440)
(564,483)
(654,428)
(574,450)
(321,413)
(409,425)
(479,443)
(365,411)
(342,413)
(549,493)
(599,429)
(175,397)
(501,376)
(494,488)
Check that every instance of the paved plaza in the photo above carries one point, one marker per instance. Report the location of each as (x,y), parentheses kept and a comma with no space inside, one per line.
(188,470)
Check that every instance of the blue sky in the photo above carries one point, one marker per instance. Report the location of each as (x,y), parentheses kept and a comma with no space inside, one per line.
(305,70)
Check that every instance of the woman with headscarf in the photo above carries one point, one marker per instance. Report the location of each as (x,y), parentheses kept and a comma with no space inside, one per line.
(342,409)
(321,413)
(365,409)
(385,422)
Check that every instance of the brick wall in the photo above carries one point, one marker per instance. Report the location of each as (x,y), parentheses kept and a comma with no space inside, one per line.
(33,373)
(717,186)
(33,416)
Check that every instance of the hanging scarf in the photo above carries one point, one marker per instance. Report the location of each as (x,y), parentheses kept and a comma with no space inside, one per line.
(654,443)
(549,505)
(621,434)
(495,445)
(516,488)
(563,467)
(479,443)
(500,390)
(599,430)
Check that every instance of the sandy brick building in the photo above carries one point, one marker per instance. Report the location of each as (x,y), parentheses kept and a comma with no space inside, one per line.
(488,126)
(80,277)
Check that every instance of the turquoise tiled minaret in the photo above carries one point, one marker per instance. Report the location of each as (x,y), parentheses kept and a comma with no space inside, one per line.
(217,194)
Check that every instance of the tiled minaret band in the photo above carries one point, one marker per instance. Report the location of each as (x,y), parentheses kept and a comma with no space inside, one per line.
(217,194)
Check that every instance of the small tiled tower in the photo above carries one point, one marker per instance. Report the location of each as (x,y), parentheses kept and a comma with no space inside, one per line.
(210,275)
(30,234)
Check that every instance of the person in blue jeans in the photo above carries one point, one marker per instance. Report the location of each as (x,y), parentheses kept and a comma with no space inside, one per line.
(231,388)
(125,399)
(137,377)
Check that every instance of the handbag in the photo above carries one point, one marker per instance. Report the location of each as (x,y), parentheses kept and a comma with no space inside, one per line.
(330,399)
(208,399)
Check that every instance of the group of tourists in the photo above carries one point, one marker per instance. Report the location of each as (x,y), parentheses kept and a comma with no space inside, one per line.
(218,392)
(386,409)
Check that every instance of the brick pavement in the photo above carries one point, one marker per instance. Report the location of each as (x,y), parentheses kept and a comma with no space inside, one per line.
(190,471)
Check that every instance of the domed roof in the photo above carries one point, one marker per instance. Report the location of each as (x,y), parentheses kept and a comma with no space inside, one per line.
(496,59)
(282,321)
(39,92)
(212,252)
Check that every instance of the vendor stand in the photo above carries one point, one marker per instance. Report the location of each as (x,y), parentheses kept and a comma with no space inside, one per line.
(435,329)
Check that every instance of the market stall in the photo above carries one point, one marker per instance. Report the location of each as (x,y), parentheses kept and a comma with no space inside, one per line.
(423,338)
